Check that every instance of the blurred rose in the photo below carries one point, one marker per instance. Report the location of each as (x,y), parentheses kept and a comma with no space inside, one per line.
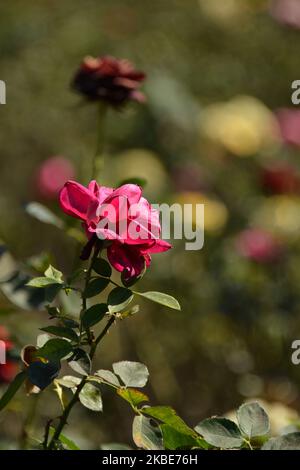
(281,179)
(52,175)
(289,123)
(10,369)
(110,80)
(286,12)
(243,125)
(258,245)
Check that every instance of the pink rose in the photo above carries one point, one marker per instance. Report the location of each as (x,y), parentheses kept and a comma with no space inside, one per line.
(122,217)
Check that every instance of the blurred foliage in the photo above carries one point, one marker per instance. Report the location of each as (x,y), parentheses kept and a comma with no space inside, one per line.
(217,72)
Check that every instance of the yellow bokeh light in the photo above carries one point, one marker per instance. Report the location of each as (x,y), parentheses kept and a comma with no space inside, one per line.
(244,126)
(215,212)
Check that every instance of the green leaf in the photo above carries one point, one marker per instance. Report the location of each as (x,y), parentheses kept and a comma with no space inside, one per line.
(42,339)
(53,273)
(118,299)
(220,432)
(68,442)
(55,349)
(115,446)
(108,376)
(61,331)
(65,440)
(134,180)
(160,298)
(40,282)
(286,442)
(69,322)
(145,435)
(53,312)
(168,415)
(43,214)
(95,287)
(133,374)
(80,362)
(176,440)
(131,311)
(69,381)
(253,420)
(41,374)
(12,389)
(94,315)
(134,397)
(102,267)
(90,397)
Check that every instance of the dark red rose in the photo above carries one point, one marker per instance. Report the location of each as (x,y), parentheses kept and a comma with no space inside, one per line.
(281,179)
(110,80)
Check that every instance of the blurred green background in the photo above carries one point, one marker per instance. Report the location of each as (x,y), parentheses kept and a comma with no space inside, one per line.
(217,73)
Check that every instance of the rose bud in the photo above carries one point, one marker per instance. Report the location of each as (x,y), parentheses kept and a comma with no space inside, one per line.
(109,80)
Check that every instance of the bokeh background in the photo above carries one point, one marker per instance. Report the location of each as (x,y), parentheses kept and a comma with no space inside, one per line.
(218,127)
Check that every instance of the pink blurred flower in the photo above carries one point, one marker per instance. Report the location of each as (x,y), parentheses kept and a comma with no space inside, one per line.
(281,179)
(286,12)
(289,123)
(10,369)
(120,216)
(51,176)
(258,245)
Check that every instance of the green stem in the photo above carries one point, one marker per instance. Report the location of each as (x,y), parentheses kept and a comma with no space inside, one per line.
(63,419)
(65,415)
(84,302)
(102,334)
(98,160)
(93,346)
